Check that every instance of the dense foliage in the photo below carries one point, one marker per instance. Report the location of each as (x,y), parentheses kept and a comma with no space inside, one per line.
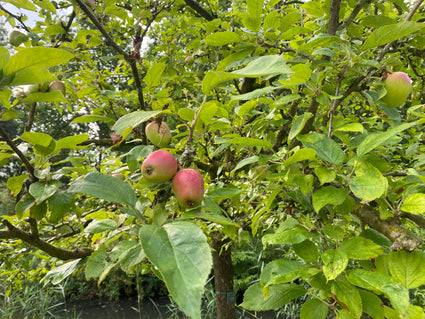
(279,105)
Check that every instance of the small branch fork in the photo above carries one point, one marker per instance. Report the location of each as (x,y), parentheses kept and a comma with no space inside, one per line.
(132,62)
(33,239)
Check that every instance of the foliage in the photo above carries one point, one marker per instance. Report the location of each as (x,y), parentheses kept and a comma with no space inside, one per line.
(277,103)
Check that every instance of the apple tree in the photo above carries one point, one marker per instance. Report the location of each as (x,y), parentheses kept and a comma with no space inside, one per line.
(303,121)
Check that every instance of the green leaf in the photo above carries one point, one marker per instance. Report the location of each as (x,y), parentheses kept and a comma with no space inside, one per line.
(181,254)
(260,66)
(314,309)
(154,74)
(215,218)
(38,211)
(222,38)
(91,118)
(59,274)
(377,139)
(208,111)
(280,295)
(101,225)
(246,161)
(299,124)
(361,248)
(414,203)
(279,271)
(36,57)
(247,141)
(4,56)
(252,18)
(224,192)
(325,174)
(36,138)
(351,127)
(71,142)
(131,120)
(335,261)
(96,263)
(369,184)
(407,268)
(24,204)
(391,32)
(32,76)
(349,295)
(135,154)
(303,154)
(15,183)
(5,98)
(372,304)
(306,250)
(43,190)
(23,4)
(264,65)
(328,195)
(301,74)
(56,96)
(291,236)
(106,187)
(60,204)
(326,148)
(378,282)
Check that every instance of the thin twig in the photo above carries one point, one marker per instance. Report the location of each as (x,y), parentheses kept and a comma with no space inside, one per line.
(18,152)
(353,14)
(334,102)
(19,18)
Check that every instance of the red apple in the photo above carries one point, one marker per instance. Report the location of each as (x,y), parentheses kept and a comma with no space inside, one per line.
(189,60)
(57,86)
(188,187)
(398,85)
(159,167)
(159,135)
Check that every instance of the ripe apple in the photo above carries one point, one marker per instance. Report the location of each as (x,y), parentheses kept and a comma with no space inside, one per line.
(398,85)
(188,187)
(119,175)
(159,135)
(159,167)
(57,86)
(16,38)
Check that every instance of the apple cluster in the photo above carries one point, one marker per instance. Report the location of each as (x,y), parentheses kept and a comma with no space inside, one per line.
(188,184)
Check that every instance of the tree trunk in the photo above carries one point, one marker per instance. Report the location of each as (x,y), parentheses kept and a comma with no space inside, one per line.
(223,278)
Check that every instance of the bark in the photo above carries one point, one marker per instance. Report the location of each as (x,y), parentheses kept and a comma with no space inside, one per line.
(391,228)
(33,240)
(223,277)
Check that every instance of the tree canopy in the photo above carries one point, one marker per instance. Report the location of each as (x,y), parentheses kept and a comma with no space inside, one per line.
(283,108)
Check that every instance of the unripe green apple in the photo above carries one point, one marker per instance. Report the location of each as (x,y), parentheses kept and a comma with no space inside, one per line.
(398,85)
(16,38)
(119,175)
(188,187)
(159,135)
(159,167)
(41,87)
(57,86)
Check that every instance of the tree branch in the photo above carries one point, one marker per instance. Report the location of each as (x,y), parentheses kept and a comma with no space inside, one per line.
(200,10)
(110,40)
(334,16)
(19,18)
(353,14)
(60,253)
(391,228)
(417,219)
(18,152)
